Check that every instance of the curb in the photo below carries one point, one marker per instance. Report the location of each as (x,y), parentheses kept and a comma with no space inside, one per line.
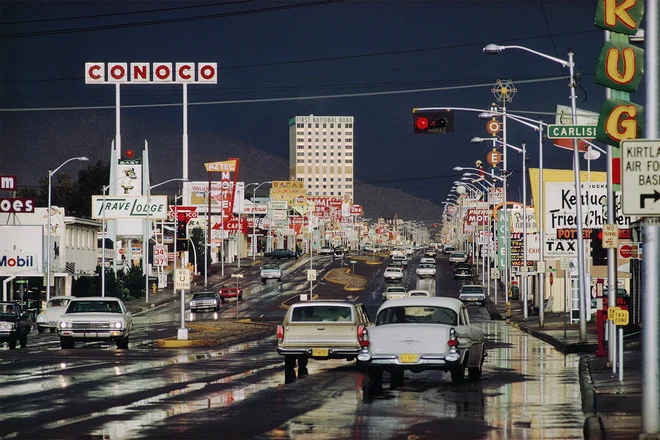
(593,425)
(347,286)
(285,306)
(175,343)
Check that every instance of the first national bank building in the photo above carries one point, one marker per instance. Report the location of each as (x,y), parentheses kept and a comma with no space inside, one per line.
(321,154)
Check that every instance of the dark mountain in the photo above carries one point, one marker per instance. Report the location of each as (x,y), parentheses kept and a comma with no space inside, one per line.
(33,142)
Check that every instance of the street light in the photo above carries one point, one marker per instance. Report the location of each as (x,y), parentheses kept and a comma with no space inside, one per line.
(494,49)
(254,220)
(50,184)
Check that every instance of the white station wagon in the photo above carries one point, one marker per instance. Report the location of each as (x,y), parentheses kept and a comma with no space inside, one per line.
(422,333)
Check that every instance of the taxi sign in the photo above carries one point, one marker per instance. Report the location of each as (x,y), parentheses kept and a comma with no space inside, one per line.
(620,317)
(640,177)
(611,311)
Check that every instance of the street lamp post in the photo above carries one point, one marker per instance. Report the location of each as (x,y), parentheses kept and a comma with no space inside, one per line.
(50,184)
(494,49)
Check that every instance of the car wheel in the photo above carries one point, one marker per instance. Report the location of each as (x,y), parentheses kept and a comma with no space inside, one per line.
(122,343)
(66,342)
(40,329)
(396,379)
(12,343)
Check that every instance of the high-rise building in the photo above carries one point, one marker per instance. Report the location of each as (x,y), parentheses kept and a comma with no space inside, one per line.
(321,154)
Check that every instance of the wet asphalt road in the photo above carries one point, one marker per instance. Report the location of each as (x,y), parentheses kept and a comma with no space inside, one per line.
(528,389)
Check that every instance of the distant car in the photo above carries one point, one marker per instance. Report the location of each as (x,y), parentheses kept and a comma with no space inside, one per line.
(419,334)
(230,290)
(393,274)
(399,258)
(410,250)
(270,271)
(338,253)
(95,318)
(282,253)
(448,249)
(472,294)
(204,301)
(55,307)
(419,293)
(458,257)
(462,271)
(427,260)
(326,251)
(368,248)
(430,252)
(393,292)
(425,270)
(15,324)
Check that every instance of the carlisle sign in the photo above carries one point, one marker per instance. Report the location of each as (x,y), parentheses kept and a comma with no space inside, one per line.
(151,73)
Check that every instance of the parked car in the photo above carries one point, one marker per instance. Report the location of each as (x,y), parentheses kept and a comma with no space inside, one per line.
(15,324)
(230,290)
(326,251)
(422,333)
(458,257)
(393,292)
(462,271)
(95,318)
(320,330)
(282,253)
(270,271)
(472,294)
(425,270)
(393,274)
(620,293)
(55,307)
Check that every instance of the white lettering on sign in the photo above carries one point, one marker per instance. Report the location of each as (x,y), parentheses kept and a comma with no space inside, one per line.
(312,118)
(125,207)
(640,176)
(146,73)
(16,205)
(8,183)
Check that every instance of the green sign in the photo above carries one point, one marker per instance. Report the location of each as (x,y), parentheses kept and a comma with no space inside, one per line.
(571,131)
(21,281)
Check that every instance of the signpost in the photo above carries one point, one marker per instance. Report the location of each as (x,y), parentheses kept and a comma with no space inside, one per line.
(571,131)
(640,176)
(237,276)
(182,282)
(610,236)
(160,255)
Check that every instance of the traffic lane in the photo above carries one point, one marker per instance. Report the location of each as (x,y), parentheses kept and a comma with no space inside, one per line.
(528,390)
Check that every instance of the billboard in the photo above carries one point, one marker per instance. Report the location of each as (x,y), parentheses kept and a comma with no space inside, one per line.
(129,207)
(292,191)
(21,250)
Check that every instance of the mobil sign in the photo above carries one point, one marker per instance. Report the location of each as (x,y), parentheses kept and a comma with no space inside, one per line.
(479,217)
(21,249)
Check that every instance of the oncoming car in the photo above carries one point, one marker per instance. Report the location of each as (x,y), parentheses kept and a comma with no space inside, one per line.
(95,318)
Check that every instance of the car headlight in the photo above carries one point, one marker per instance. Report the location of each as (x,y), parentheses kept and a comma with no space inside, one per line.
(41,318)
(115,324)
(5,325)
(66,324)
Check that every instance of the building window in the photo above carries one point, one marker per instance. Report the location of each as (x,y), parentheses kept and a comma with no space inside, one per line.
(338,160)
(299,125)
(324,125)
(349,125)
(324,179)
(317,125)
(339,154)
(349,179)
(349,160)
(317,179)
(300,160)
(324,186)
(339,125)
(324,161)
(325,140)
(349,140)
(349,147)
(351,187)
(300,153)
(324,153)
(349,154)
(332,193)
(309,140)
(309,125)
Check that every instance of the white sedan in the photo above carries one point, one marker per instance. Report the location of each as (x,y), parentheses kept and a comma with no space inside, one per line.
(393,274)
(95,318)
(422,333)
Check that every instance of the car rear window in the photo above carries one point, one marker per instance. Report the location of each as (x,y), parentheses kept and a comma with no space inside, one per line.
(321,313)
(458,254)
(396,289)
(417,314)
(427,266)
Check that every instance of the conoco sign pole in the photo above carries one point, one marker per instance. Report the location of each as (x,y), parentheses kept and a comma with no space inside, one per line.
(117,120)
(185,132)
(651,234)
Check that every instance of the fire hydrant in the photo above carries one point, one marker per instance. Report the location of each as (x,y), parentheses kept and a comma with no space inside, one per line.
(508,309)
(153,288)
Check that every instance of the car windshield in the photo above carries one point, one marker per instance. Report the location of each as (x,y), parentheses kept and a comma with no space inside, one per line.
(8,310)
(57,302)
(471,289)
(205,295)
(229,286)
(321,313)
(457,254)
(417,314)
(94,306)
(271,266)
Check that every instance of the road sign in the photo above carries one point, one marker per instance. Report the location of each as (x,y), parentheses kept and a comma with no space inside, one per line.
(494,274)
(571,131)
(182,279)
(611,311)
(311,274)
(640,176)
(565,263)
(121,251)
(620,317)
(610,236)
(625,251)
(540,267)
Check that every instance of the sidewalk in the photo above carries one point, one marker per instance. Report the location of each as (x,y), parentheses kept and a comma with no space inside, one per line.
(613,410)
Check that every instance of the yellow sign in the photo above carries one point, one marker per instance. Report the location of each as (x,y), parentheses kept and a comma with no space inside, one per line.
(620,317)
(293,191)
(223,166)
(611,311)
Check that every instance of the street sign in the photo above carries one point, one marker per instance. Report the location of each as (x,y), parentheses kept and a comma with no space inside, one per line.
(625,250)
(611,311)
(620,317)
(571,131)
(540,267)
(182,279)
(610,236)
(121,251)
(494,274)
(311,274)
(565,263)
(640,176)
(160,255)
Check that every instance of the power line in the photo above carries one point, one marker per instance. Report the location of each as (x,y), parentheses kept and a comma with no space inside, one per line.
(285,99)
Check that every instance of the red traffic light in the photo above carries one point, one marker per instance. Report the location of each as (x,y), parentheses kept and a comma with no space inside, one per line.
(422,123)
(181,217)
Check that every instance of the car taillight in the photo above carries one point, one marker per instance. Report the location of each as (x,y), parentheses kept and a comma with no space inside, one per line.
(453,340)
(280,333)
(363,336)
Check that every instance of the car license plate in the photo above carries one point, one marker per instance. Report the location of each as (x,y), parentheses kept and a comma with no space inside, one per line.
(320,352)
(407,358)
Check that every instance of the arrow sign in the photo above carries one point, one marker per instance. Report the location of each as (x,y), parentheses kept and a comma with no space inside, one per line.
(643,197)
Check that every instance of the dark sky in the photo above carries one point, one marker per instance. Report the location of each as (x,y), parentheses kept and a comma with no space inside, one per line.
(321,48)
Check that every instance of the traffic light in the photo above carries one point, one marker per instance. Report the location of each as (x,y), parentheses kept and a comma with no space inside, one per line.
(598,253)
(433,122)
(182,232)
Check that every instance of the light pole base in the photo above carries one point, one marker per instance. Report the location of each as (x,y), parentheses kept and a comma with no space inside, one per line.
(182,334)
